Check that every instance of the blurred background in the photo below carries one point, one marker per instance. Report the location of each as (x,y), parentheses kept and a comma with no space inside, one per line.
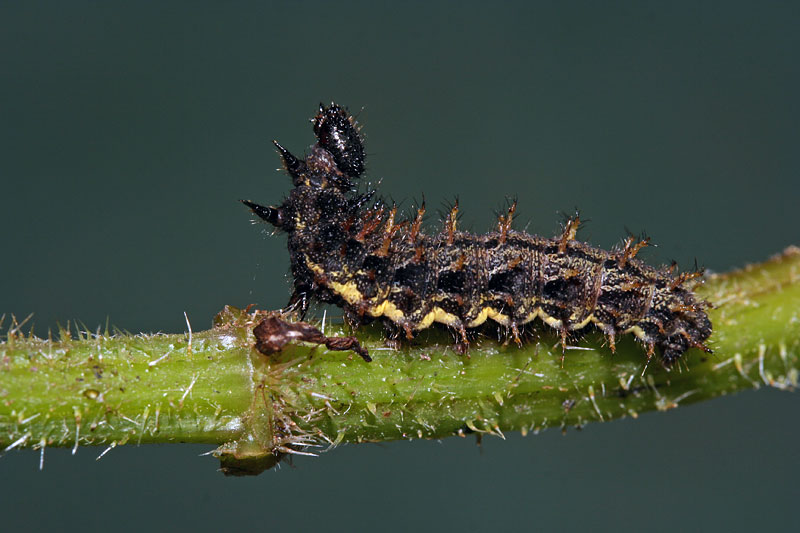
(128,131)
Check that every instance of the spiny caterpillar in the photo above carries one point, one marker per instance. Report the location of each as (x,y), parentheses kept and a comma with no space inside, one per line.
(364,260)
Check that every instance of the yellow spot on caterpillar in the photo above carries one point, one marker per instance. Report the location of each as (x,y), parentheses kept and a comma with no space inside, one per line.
(389,310)
(439,315)
(480,319)
(348,291)
(500,318)
(549,320)
(636,330)
(488,312)
(582,324)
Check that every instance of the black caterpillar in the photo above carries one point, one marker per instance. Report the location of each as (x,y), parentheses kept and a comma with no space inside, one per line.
(361,258)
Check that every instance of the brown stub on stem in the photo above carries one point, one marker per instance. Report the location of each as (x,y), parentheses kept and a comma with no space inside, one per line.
(273,333)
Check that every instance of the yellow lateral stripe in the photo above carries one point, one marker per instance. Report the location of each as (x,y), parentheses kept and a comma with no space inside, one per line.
(350,293)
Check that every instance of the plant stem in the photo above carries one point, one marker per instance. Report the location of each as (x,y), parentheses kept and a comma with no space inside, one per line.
(212,387)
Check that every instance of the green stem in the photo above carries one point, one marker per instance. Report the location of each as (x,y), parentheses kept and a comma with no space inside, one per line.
(212,387)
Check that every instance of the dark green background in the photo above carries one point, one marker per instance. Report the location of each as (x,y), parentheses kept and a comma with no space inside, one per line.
(128,131)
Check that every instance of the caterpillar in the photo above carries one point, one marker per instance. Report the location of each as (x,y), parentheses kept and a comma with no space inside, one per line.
(351,250)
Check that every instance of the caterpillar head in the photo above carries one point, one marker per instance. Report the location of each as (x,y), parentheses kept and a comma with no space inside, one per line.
(337,132)
(336,158)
